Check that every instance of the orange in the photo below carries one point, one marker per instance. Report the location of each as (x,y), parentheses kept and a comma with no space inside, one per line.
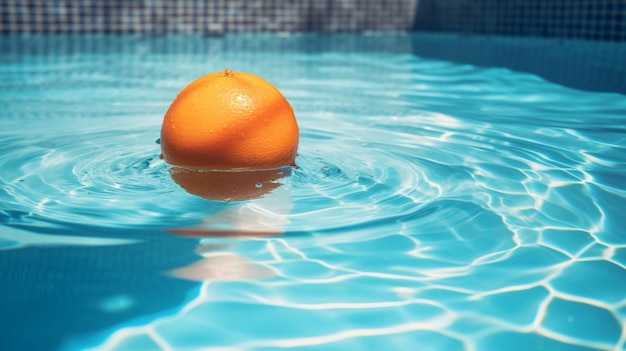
(230,121)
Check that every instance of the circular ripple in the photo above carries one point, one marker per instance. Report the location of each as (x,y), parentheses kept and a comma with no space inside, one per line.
(100,177)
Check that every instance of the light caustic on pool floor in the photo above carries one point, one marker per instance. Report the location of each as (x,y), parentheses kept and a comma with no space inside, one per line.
(436,205)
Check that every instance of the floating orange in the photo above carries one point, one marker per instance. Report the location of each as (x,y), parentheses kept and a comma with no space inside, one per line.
(230,121)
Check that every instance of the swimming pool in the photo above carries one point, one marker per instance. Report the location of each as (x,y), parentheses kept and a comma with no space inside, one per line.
(435,206)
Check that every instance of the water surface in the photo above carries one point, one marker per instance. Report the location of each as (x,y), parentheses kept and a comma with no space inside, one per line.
(435,206)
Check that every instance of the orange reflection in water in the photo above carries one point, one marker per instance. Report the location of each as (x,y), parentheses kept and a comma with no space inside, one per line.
(229,185)
(258,207)
(221,267)
(239,220)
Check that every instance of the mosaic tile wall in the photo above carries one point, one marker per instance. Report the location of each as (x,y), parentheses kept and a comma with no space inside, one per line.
(598,20)
(208,17)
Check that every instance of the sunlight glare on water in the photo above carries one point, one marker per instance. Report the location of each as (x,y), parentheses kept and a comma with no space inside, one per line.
(434,205)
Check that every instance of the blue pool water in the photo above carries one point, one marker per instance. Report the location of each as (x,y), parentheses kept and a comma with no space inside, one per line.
(435,206)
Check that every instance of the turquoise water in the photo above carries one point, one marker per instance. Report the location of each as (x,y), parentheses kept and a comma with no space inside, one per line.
(435,206)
